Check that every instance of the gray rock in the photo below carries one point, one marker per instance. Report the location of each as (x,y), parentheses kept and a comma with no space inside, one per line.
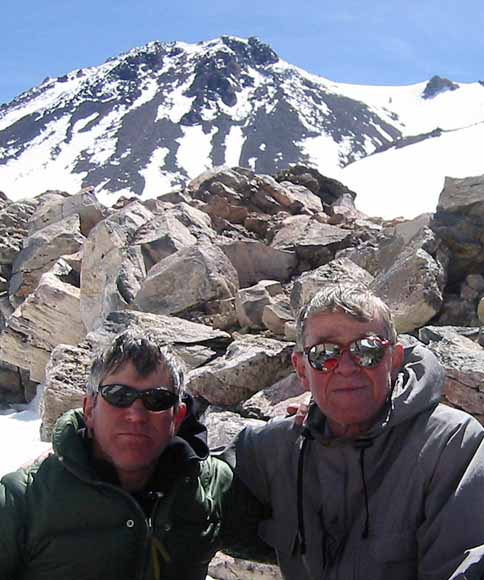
(186,280)
(41,250)
(55,206)
(338,270)
(255,261)
(161,237)
(314,242)
(223,426)
(272,401)
(15,385)
(224,567)
(13,228)
(66,376)
(195,343)
(459,222)
(112,270)
(463,361)
(412,288)
(277,314)
(250,364)
(49,316)
(250,302)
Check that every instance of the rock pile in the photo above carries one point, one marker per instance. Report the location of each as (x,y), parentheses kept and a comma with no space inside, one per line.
(218,271)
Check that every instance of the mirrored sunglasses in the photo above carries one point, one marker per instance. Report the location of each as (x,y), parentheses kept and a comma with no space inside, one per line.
(123,396)
(366,352)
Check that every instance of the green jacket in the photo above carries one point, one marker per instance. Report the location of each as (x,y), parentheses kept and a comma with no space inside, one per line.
(61,520)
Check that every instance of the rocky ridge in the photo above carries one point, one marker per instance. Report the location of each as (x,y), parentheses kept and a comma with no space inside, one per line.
(218,270)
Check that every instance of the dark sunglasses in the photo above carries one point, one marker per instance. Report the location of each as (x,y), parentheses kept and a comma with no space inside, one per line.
(366,352)
(123,396)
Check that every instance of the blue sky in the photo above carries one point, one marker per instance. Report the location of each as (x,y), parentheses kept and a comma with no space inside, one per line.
(376,42)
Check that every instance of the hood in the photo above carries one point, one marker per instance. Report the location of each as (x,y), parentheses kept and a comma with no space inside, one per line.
(419,386)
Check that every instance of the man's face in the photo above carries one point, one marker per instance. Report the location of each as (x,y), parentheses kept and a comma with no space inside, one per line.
(350,396)
(132,438)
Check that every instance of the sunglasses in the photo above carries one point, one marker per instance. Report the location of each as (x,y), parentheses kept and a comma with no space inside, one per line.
(122,396)
(366,352)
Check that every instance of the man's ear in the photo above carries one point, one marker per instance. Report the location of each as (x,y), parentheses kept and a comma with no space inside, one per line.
(300,367)
(180,414)
(87,406)
(397,359)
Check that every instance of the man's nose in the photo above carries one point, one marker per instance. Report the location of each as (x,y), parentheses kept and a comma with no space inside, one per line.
(346,364)
(137,411)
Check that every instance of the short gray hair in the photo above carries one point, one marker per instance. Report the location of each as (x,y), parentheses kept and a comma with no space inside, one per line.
(145,351)
(353,299)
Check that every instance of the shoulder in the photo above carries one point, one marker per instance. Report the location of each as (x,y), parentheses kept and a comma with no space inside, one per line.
(447,436)
(279,430)
(445,421)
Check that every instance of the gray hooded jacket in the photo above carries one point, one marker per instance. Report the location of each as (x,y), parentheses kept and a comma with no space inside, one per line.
(405,501)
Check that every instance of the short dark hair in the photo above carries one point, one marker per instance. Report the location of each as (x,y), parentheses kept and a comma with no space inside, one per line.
(145,351)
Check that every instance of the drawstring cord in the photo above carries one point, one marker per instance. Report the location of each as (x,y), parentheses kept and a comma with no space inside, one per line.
(157,548)
(306,436)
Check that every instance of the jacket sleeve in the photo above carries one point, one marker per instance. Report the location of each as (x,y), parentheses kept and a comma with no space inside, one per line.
(453,522)
(242,514)
(11,530)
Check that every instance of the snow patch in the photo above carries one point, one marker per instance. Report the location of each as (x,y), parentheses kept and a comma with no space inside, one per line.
(194,150)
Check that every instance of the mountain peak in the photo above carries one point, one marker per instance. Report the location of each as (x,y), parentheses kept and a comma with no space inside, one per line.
(437,85)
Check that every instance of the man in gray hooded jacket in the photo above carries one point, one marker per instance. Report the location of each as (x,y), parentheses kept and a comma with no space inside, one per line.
(383,482)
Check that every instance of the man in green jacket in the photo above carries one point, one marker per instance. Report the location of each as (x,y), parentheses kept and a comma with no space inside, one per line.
(383,482)
(130,491)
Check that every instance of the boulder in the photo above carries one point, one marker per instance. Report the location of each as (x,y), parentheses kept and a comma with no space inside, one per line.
(459,222)
(15,385)
(161,237)
(186,280)
(250,302)
(480,310)
(378,253)
(329,190)
(14,218)
(277,314)
(338,270)
(273,400)
(66,376)
(55,206)
(295,198)
(250,364)
(198,222)
(255,261)
(112,269)
(223,426)
(463,362)
(195,343)
(40,251)
(49,316)
(412,287)
(314,242)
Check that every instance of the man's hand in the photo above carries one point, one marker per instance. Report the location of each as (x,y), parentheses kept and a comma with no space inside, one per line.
(299,412)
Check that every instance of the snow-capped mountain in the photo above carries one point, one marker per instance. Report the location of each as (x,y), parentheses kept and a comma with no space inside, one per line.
(147,121)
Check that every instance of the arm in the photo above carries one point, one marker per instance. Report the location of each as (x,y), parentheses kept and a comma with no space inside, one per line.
(10,516)
(453,518)
(242,513)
